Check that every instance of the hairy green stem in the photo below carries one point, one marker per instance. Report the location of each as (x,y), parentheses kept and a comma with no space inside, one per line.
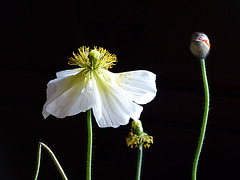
(204,123)
(53,158)
(139,163)
(89,146)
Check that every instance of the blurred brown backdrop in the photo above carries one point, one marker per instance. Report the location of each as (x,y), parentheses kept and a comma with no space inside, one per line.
(37,38)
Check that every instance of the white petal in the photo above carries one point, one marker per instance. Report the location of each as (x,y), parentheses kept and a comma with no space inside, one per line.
(113,107)
(68,96)
(55,84)
(67,73)
(140,85)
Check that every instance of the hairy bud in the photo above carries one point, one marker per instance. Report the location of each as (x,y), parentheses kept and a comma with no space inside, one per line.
(200,45)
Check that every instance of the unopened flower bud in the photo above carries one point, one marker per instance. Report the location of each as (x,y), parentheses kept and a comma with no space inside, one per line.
(200,45)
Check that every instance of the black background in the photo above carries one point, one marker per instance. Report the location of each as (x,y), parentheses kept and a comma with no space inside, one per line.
(37,37)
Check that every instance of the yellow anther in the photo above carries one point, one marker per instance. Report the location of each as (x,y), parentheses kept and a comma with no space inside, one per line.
(95,59)
(135,140)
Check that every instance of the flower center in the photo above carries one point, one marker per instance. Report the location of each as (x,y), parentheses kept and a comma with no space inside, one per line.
(94,59)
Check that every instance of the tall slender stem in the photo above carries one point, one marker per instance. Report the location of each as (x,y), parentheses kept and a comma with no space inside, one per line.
(139,163)
(38,161)
(204,123)
(60,169)
(89,146)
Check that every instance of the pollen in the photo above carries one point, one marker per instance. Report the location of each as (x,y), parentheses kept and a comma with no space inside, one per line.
(93,59)
(134,140)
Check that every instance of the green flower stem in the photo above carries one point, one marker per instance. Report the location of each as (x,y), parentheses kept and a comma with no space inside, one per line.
(38,160)
(204,123)
(89,146)
(53,158)
(139,163)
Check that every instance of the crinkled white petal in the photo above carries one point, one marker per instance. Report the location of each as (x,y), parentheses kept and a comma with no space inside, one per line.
(113,97)
(55,84)
(113,106)
(139,85)
(69,94)
(67,73)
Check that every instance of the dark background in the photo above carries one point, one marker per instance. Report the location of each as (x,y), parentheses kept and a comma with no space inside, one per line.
(37,37)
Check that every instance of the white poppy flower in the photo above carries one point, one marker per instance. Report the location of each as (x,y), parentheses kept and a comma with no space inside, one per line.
(113,97)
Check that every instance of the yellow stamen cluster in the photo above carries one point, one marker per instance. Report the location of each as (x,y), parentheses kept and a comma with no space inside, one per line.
(83,59)
(134,140)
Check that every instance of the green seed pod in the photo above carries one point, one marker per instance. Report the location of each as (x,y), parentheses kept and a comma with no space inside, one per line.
(137,138)
(93,57)
(137,127)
